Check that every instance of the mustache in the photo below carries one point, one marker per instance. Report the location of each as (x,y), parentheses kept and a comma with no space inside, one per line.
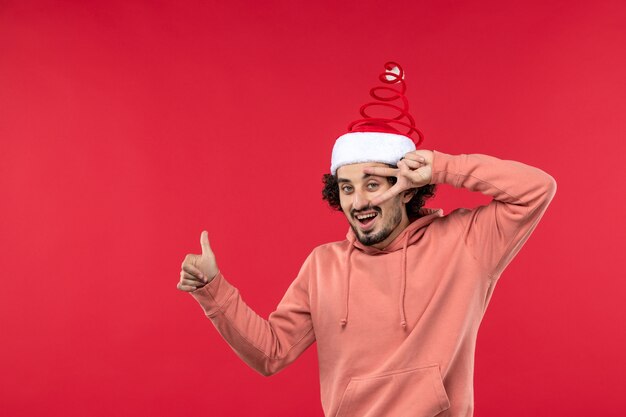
(377,209)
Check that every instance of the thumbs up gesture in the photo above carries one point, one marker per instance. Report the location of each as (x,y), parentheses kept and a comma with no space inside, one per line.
(198,270)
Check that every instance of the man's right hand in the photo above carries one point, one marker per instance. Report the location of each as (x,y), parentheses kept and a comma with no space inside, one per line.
(198,270)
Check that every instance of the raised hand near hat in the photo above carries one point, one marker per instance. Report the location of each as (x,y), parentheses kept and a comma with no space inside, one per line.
(414,171)
(198,270)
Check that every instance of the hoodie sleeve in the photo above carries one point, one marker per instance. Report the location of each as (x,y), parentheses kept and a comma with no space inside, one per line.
(267,346)
(494,233)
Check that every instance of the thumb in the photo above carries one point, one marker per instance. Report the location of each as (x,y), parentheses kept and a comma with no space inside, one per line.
(204,242)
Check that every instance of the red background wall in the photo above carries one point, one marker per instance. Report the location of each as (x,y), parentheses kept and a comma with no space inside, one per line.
(127,127)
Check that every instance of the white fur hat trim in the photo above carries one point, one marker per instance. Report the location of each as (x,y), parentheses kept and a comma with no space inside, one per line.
(359,147)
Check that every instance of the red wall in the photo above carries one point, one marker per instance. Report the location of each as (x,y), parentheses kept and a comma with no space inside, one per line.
(127,127)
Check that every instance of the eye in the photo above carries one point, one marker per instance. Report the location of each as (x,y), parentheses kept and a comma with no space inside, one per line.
(372,186)
(347,189)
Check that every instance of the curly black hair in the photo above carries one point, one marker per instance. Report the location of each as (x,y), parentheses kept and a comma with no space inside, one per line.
(330,193)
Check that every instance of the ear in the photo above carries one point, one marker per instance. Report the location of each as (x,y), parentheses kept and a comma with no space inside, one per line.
(408,195)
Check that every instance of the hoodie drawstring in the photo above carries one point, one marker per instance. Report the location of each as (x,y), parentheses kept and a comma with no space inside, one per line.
(403,281)
(344,320)
(403,323)
(427,216)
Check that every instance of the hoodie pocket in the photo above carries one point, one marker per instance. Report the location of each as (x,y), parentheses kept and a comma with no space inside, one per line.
(415,392)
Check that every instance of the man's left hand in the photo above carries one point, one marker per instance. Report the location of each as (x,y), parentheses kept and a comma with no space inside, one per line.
(414,171)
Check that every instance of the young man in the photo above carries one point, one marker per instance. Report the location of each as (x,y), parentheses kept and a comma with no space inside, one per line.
(395,308)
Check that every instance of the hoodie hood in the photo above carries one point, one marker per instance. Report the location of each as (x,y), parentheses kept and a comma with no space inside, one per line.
(411,234)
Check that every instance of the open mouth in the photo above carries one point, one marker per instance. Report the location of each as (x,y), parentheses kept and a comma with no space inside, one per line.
(366,220)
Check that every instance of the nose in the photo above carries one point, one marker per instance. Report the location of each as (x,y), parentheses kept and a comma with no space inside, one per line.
(360,201)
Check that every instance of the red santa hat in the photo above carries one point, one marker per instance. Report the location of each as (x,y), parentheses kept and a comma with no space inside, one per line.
(375,139)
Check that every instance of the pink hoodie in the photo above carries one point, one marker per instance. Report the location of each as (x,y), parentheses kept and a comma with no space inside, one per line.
(396,328)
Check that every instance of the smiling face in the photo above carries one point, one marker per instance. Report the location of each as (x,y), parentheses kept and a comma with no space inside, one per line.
(375,226)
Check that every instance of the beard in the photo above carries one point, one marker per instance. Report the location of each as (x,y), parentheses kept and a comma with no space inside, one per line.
(370,238)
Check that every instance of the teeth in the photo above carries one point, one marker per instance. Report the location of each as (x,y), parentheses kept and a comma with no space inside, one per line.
(366,216)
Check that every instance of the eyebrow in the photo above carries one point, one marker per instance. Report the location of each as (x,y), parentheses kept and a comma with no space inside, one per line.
(365,176)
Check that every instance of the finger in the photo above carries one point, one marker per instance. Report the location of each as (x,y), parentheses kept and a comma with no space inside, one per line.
(204,242)
(193,271)
(381,171)
(186,288)
(389,194)
(186,275)
(414,157)
(191,283)
(411,163)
